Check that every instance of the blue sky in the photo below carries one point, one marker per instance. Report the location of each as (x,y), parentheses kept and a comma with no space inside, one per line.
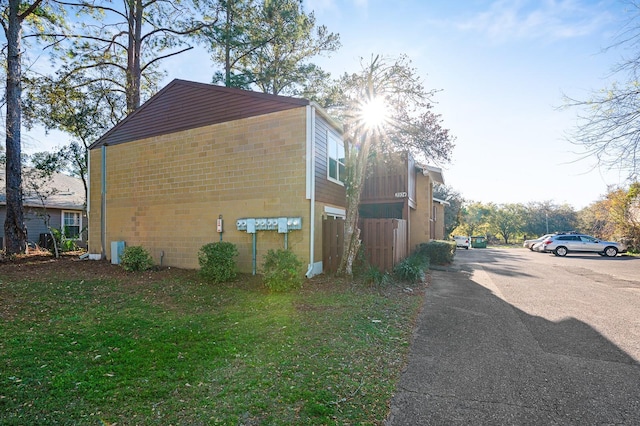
(502,67)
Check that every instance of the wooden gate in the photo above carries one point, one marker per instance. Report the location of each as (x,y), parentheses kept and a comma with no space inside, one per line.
(332,244)
(384,241)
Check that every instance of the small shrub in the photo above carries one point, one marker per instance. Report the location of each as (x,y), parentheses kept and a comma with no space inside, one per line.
(68,245)
(282,270)
(136,258)
(217,261)
(412,269)
(374,277)
(438,252)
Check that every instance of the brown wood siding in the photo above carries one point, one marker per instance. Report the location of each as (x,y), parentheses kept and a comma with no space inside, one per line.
(326,191)
(183,105)
(386,177)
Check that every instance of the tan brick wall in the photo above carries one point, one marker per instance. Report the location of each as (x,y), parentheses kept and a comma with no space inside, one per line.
(165,193)
(439,225)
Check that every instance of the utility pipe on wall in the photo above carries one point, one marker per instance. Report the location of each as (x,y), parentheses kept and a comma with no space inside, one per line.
(311,137)
(254,253)
(103,202)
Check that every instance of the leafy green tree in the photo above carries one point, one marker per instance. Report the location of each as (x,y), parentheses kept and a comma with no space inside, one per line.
(544,217)
(453,210)
(386,108)
(594,219)
(474,219)
(234,39)
(120,43)
(268,45)
(507,220)
(109,65)
(13,16)
(82,109)
(616,216)
(536,219)
(562,218)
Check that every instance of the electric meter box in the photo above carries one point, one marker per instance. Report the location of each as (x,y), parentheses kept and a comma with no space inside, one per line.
(251,226)
(282,225)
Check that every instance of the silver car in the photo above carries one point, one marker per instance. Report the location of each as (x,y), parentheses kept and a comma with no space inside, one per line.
(562,244)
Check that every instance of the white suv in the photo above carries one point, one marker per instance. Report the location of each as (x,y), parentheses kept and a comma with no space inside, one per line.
(561,244)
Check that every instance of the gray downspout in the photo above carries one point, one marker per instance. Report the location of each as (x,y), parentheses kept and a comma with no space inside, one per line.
(254,254)
(311,134)
(103,202)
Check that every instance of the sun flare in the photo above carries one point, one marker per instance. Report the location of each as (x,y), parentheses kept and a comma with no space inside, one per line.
(374,113)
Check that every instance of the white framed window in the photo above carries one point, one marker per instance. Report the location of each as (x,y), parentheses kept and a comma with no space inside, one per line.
(335,212)
(71,225)
(335,159)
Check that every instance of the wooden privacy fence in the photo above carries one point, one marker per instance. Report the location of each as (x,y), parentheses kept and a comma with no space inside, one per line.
(384,241)
(332,243)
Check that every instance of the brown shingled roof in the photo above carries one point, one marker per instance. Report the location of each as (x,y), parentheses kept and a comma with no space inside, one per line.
(183,105)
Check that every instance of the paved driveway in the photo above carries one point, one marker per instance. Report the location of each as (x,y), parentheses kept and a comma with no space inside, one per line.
(524,338)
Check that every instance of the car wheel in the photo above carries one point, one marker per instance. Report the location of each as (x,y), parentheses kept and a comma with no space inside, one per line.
(561,251)
(611,251)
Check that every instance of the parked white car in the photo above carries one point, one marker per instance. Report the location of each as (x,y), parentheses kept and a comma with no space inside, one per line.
(530,243)
(462,241)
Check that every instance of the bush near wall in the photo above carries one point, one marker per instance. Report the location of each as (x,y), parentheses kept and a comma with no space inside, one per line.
(412,269)
(217,261)
(282,270)
(438,252)
(135,259)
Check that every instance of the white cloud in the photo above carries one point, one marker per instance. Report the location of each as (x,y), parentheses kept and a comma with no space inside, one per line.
(320,6)
(506,20)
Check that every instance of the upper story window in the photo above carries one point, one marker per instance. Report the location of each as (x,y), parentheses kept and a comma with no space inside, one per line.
(335,159)
(71,225)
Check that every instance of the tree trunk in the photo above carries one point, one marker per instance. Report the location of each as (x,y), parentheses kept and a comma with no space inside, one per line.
(14,229)
(227,44)
(356,166)
(133,56)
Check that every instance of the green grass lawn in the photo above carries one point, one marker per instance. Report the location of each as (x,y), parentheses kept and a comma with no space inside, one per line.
(166,348)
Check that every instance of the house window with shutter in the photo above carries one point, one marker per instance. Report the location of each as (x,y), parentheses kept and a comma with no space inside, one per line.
(335,159)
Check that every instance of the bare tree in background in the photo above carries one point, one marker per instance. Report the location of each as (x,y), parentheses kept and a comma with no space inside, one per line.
(608,128)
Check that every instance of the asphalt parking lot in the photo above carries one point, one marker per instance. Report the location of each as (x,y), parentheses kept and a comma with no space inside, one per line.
(516,337)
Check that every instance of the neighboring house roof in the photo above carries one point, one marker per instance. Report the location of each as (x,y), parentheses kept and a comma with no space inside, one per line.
(183,105)
(65,192)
